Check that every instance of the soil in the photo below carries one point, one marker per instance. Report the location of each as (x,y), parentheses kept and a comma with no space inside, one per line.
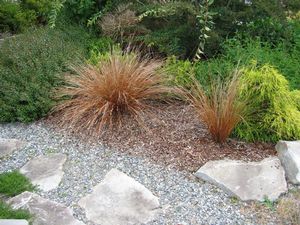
(175,137)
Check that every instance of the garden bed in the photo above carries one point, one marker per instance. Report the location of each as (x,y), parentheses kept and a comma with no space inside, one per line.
(174,136)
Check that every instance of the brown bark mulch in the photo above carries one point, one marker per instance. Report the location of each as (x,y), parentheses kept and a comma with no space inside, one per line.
(175,137)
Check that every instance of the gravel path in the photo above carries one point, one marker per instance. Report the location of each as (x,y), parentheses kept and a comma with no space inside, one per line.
(184,199)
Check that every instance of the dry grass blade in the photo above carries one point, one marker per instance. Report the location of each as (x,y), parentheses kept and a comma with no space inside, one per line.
(102,95)
(218,107)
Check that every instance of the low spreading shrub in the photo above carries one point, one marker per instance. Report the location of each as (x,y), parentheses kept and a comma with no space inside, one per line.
(218,107)
(30,65)
(99,96)
(14,183)
(6,212)
(274,114)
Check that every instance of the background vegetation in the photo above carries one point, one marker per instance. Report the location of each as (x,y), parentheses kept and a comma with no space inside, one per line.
(202,39)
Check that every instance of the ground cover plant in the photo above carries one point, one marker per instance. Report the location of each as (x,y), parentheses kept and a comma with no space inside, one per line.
(30,65)
(99,95)
(14,183)
(6,212)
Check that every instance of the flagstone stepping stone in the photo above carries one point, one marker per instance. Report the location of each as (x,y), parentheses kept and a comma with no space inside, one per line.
(8,146)
(45,212)
(246,180)
(13,222)
(289,155)
(120,200)
(46,171)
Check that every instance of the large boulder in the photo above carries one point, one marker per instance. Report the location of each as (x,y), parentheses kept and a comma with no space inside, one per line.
(119,200)
(46,171)
(8,146)
(289,155)
(45,212)
(246,180)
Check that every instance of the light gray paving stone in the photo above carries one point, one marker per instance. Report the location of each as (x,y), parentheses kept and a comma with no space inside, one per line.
(120,200)
(246,180)
(8,146)
(45,212)
(46,171)
(13,222)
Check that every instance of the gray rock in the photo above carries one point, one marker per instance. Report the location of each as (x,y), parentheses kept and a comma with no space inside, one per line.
(13,222)
(246,180)
(119,200)
(46,171)
(289,155)
(45,212)
(7,146)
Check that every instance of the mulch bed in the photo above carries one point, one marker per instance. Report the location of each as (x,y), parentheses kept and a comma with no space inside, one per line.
(175,137)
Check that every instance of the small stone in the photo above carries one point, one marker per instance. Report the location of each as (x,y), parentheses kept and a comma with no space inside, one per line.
(45,171)
(246,180)
(8,146)
(120,200)
(45,212)
(289,155)
(13,222)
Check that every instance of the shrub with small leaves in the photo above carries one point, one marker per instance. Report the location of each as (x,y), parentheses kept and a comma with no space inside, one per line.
(274,115)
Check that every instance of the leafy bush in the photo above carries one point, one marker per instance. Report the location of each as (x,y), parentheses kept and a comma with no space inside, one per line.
(6,212)
(30,65)
(98,47)
(263,18)
(14,18)
(41,8)
(273,115)
(218,107)
(100,96)
(284,60)
(14,183)
(179,71)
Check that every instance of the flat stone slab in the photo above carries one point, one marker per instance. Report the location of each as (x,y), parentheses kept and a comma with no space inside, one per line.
(13,222)
(46,171)
(246,180)
(120,200)
(45,212)
(8,146)
(289,155)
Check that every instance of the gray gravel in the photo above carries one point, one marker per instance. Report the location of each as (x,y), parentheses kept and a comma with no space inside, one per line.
(184,199)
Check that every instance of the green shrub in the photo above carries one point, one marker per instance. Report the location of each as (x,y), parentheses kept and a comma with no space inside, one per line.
(97,47)
(281,58)
(179,72)
(14,183)
(42,8)
(296,97)
(273,115)
(263,18)
(13,18)
(6,212)
(30,66)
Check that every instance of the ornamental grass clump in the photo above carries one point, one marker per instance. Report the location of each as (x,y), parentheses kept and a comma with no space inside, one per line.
(274,110)
(101,96)
(218,107)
